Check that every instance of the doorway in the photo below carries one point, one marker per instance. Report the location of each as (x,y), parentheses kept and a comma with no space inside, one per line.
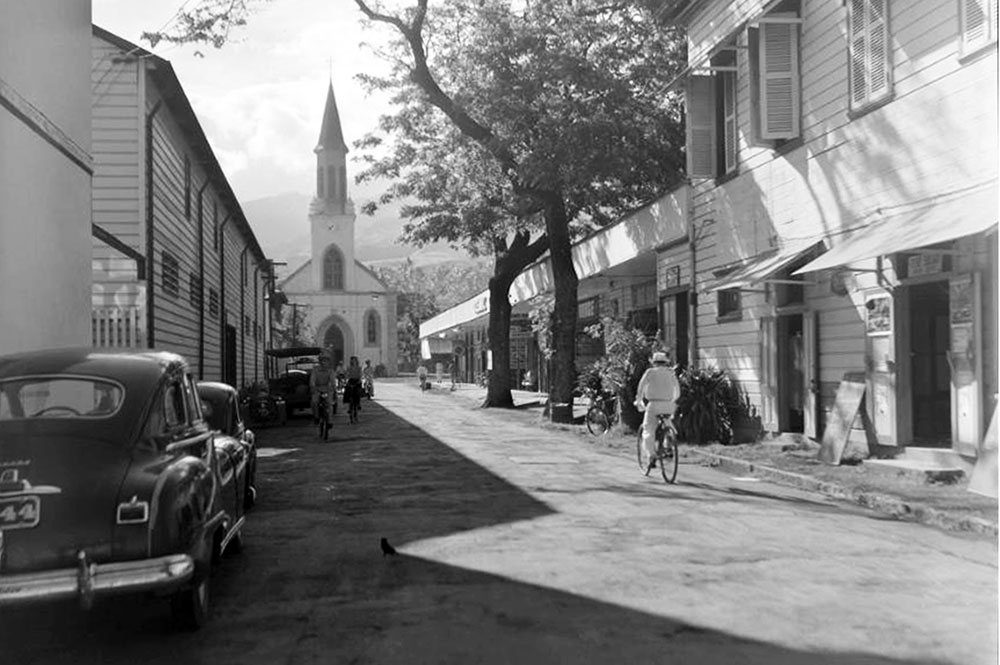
(791,373)
(333,343)
(229,356)
(929,370)
(674,326)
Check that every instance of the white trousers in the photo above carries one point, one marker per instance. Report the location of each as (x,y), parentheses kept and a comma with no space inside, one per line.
(649,421)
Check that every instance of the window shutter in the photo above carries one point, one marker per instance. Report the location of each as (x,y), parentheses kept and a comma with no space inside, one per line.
(859,53)
(729,118)
(699,100)
(978,23)
(779,80)
(878,49)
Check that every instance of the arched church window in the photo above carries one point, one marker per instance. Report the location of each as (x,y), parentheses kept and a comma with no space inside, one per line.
(333,269)
(371,328)
(342,181)
(319,182)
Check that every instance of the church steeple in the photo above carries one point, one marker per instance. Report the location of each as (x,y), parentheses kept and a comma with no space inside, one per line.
(331,158)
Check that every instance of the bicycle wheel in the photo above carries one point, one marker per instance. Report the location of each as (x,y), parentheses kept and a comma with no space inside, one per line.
(597,420)
(669,457)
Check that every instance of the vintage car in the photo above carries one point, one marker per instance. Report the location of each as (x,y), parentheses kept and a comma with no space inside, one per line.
(234,442)
(261,407)
(111,482)
(292,384)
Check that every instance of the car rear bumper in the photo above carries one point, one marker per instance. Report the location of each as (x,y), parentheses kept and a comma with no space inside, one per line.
(89,580)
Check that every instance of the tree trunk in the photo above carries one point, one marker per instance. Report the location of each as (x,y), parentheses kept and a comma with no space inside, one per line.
(564,314)
(509,262)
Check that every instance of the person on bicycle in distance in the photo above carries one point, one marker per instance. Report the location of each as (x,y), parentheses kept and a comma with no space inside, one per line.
(352,389)
(322,379)
(657,394)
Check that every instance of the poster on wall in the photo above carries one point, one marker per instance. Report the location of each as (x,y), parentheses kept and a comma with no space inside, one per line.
(879,318)
(961,300)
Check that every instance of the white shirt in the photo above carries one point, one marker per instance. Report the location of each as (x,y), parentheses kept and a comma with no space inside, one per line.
(659,383)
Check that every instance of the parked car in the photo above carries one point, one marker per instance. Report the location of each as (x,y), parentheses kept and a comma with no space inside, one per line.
(111,481)
(260,407)
(292,384)
(235,445)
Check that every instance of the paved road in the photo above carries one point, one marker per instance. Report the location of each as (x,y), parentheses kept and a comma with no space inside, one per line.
(526,543)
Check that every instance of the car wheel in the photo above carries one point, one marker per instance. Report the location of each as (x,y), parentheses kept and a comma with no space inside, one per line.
(189,606)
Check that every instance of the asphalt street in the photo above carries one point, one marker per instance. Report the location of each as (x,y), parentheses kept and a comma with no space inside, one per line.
(525,543)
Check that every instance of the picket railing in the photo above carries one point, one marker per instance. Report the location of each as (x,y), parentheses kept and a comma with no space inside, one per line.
(118,327)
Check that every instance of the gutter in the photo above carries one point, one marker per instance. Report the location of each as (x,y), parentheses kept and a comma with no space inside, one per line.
(201,281)
(222,296)
(150,299)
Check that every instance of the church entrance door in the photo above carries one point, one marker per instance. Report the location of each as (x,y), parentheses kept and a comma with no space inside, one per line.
(333,343)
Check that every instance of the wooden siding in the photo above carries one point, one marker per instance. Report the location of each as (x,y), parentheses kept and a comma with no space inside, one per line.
(115,194)
(925,143)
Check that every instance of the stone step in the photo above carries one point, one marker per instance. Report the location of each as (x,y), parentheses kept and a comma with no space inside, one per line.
(927,471)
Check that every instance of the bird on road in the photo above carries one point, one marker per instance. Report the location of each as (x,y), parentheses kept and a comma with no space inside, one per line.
(387,549)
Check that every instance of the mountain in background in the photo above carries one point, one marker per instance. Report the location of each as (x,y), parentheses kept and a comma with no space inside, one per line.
(281,224)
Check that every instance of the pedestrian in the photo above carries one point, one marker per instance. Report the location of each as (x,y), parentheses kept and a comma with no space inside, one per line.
(657,394)
(322,380)
(422,376)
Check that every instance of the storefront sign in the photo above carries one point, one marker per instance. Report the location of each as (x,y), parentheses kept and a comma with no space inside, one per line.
(671,277)
(924,264)
(482,305)
(962,303)
(879,319)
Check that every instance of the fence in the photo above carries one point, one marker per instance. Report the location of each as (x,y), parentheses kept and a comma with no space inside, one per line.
(117,327)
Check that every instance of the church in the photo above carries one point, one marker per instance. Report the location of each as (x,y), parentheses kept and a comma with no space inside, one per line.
(349,311)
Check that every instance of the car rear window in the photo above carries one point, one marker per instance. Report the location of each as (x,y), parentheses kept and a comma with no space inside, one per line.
(59,397)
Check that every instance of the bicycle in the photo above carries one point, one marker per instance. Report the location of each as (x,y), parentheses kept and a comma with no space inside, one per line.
(322,416)
(602,414)
(667,454)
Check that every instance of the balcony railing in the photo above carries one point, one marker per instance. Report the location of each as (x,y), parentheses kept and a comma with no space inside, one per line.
(118,327)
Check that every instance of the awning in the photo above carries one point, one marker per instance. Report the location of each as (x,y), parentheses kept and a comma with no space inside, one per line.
(759,268)
(972,213)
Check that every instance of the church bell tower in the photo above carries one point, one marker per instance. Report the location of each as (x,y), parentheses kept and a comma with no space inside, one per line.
(331,214)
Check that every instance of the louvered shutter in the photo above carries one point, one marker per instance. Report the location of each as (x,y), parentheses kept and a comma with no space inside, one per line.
(779,80)
(859,53)
(699,100)
(729,118)
(978,23)
(878,49)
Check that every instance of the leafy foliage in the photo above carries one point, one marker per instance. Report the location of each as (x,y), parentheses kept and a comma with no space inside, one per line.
(423,292)
(292,328)
(712,407)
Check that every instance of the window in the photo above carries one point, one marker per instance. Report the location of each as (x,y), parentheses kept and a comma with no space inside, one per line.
(371,328)
(644,295)
(588,309)
(869,72)
(187,187)
(729,304)
(246,324)
(342,182)
(171,279)
(333,269)
(331,184)
(213,302)
(319,182)
(173,406)
(712,127)
(195,294)
(977,24)
(775,85)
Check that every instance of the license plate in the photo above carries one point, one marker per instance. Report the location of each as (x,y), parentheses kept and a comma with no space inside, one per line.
(19,513)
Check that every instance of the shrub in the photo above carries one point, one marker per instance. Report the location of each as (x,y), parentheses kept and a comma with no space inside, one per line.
(712,407)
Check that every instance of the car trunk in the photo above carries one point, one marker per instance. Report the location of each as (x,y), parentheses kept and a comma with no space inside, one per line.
(58,495)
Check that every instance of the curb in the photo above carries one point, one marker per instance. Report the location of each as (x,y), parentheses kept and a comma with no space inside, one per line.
(882,503)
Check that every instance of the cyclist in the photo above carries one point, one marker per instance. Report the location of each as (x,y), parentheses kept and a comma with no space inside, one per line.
(368,378)
(322,379)
(657,393)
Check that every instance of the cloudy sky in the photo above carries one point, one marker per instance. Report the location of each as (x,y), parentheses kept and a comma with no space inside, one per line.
(260,98)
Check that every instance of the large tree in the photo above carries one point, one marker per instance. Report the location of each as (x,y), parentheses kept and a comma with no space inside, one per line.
(567,99)
(456,194)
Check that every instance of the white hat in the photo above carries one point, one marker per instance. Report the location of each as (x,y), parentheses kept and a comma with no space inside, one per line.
(660,357)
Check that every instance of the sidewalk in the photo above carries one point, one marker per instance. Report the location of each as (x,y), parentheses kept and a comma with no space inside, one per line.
(906,497)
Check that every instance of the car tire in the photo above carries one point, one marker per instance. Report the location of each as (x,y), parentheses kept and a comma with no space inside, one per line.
(189,606)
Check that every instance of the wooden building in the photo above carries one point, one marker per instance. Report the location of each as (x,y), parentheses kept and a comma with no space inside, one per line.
(176,265)
(843,167)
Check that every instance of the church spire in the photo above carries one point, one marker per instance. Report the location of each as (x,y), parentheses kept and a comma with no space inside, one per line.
(331,137)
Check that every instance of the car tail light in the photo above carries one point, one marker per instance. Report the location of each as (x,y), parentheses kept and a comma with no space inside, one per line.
(133,511)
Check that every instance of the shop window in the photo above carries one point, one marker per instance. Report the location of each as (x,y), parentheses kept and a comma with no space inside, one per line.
(870,74)
(644,295)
